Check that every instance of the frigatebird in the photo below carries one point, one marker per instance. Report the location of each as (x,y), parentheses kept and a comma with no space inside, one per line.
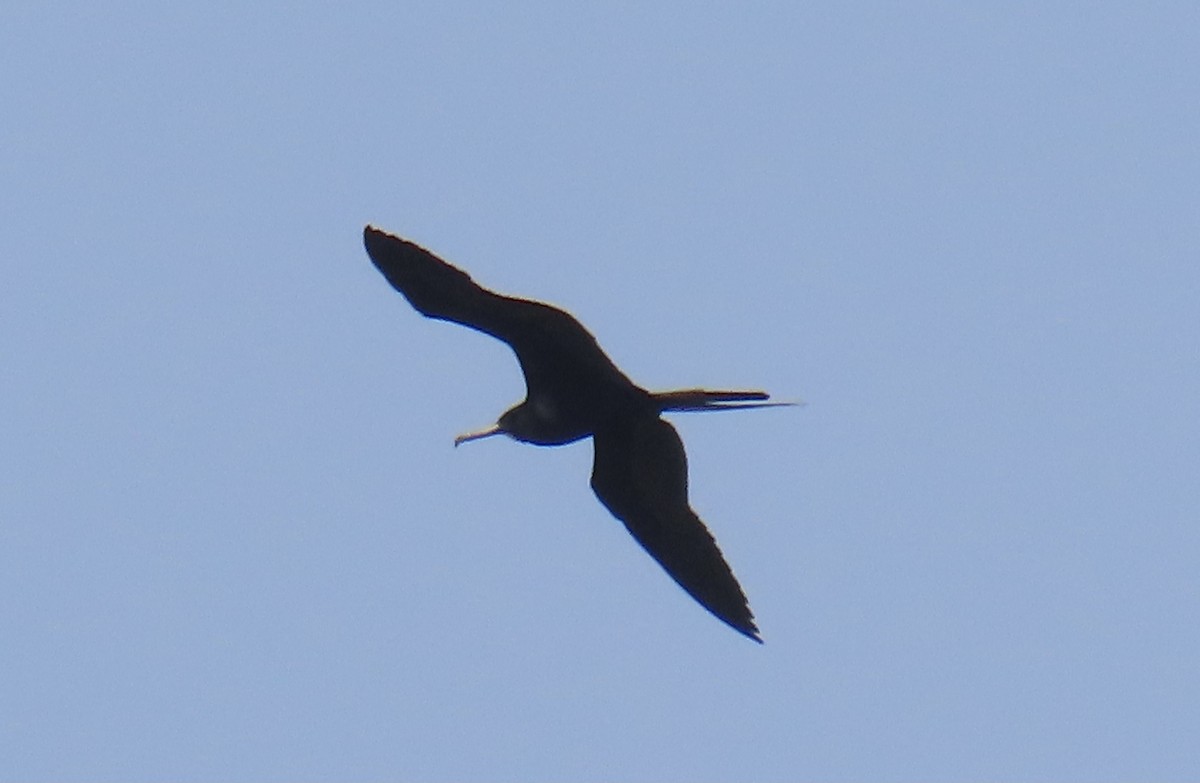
(573,391)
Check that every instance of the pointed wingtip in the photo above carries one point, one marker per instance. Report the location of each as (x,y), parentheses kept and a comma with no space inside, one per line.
(749,630)
(372,234)
(750,633)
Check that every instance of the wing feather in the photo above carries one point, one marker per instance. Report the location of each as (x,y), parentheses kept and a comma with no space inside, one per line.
(548,341)
(640,475)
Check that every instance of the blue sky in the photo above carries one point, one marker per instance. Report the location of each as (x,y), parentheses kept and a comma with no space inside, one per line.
(235,540)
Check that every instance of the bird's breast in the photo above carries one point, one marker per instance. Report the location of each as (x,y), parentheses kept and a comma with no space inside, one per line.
(552,423)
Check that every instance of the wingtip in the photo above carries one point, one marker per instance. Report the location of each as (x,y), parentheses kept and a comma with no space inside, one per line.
(371,232)
(749,630)
(741,620)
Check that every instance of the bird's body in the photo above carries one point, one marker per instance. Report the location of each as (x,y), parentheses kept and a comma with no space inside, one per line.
(574,391)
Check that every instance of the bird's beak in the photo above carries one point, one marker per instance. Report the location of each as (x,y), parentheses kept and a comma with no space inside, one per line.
(490,431)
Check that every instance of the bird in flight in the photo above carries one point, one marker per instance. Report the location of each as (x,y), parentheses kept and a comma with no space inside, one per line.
(573,391)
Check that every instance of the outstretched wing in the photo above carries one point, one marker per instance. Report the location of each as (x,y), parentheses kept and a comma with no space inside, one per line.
(548,341)
(640,475)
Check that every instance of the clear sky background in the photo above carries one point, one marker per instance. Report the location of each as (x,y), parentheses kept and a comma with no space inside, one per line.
(235,540)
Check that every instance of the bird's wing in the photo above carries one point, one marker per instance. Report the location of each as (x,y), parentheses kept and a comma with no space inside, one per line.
(546,339)
(640,475)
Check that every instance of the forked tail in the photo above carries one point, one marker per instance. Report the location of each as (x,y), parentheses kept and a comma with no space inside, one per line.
(708,400)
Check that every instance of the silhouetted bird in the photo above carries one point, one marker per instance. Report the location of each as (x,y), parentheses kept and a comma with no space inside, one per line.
(573,391)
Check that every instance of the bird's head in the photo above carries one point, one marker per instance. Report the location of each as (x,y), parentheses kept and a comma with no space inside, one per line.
(509,423)
(533,421)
